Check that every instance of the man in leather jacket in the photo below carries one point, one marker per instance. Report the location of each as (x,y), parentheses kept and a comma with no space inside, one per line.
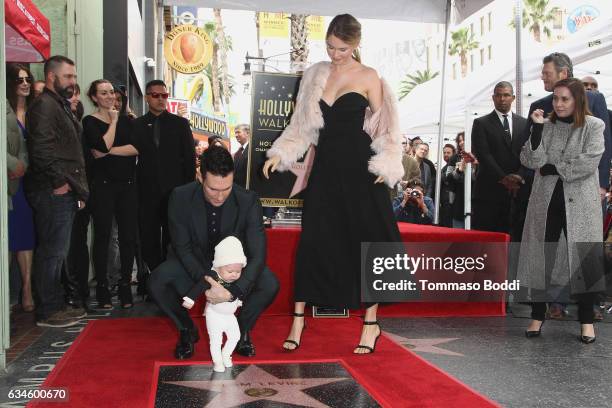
(56,187)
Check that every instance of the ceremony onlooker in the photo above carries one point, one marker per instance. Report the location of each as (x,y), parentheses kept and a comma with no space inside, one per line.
(412,205)
(496,140)
(446,189)
(241,157)
(455,174)
(37,88)
(555,67)
(563,233)
(75,275)
(56,187)
(427,169)
(166,159)
(20,219)
(113,190)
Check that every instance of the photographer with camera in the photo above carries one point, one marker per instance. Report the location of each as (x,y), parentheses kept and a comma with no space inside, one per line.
(412,205)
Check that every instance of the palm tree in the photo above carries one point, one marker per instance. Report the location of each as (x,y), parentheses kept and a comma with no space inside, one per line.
(218,76)
(412,80)
(299,41)
(462,41)
(537,17)
(222,50)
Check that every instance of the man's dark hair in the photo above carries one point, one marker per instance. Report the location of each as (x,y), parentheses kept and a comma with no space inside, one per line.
(217,161)
(450,146)
(54,62)
(415,182)
(504,84)
(153,83)
(560,61)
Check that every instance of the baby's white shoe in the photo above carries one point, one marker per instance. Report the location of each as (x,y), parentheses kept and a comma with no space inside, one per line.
(218,366)
(227,361)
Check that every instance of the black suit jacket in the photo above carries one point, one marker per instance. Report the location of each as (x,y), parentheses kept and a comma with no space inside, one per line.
(241,217)
(240,168)
(171,165)
(498,154)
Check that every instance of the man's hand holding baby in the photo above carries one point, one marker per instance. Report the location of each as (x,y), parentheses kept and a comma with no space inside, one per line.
(217,293)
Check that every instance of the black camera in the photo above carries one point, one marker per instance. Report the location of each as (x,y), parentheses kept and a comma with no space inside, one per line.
(415,194)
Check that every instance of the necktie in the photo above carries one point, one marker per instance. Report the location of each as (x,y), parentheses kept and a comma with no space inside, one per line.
(156,132)
(506,125)
(238,155)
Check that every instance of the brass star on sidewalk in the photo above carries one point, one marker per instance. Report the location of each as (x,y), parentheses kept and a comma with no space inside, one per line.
(426,345)
(302,171)
(255,384)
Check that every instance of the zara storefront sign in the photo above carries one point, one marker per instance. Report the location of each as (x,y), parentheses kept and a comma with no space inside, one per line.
(188,49)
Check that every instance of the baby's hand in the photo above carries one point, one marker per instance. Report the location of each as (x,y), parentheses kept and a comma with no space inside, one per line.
(188,303)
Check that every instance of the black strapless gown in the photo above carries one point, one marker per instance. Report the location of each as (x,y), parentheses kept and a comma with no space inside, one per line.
(342,208)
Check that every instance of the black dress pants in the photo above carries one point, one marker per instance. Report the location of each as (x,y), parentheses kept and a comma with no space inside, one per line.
(492,216)
(154,234)
(77,262)
(170,282)
(555,225)
(117,200)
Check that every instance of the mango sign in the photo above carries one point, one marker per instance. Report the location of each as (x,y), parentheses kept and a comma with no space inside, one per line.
(188,49)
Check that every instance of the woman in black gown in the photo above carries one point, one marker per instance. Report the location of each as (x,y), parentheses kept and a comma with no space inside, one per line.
(344,203)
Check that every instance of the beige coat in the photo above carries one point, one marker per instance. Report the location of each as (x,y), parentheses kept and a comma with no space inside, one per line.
(16,150)
(307,119)
(576,154)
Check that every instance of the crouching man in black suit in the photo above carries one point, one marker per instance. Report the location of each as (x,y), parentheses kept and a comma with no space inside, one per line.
(199,217)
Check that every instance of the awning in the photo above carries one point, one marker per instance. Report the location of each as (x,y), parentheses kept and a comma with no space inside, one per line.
(429,11)
(27,32)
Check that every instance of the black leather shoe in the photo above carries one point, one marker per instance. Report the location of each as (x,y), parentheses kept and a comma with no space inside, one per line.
(184,347)
(245,347)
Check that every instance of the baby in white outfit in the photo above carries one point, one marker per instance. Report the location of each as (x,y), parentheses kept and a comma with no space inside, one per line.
(220,318)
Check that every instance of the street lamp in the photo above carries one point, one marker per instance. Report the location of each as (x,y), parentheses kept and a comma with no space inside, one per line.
(248,58)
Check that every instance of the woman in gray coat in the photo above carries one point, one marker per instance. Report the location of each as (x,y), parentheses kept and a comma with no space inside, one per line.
(563,230)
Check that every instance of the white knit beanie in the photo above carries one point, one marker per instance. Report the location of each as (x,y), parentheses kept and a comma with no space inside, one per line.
(229,251)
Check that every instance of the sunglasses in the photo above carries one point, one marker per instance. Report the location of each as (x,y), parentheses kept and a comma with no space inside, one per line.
(23,80)
(158,95)
(592,84)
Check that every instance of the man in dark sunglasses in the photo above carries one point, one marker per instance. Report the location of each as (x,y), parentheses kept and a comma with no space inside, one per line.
(166,159)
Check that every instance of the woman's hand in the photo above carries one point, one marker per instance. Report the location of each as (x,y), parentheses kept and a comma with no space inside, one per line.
(97,154)
(379,179)
(270,166)
(537,116)
(113,115)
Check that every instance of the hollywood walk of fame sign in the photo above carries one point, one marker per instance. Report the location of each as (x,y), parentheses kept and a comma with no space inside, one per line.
(273,101)
(280,385)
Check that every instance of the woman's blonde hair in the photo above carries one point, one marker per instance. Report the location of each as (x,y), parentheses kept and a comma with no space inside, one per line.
(347,29)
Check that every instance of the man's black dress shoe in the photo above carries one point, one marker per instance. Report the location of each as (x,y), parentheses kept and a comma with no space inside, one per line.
(245,347)
(184,347)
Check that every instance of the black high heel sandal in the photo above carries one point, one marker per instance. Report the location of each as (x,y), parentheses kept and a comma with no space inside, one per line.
(373,348)
(534,333)
(296,343)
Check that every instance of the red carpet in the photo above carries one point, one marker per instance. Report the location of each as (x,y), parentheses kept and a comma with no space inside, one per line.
(111,364)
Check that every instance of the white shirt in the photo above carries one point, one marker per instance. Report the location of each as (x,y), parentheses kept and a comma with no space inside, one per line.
(501,119)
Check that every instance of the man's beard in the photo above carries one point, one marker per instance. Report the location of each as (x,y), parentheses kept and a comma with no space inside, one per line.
(66,92)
